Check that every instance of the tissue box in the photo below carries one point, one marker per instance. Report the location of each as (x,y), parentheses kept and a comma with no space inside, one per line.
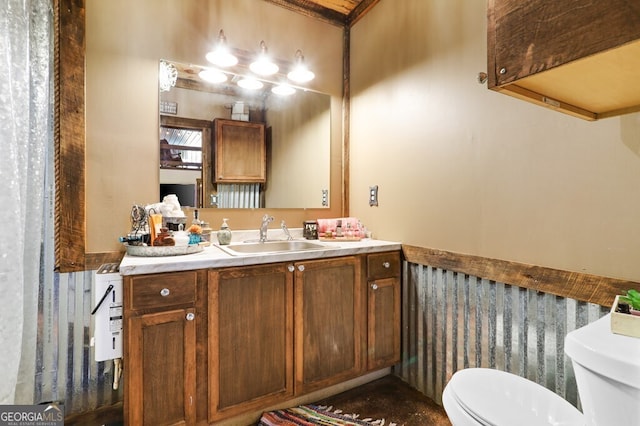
(624,324)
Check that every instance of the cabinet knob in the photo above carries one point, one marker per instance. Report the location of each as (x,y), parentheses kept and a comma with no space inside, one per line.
(165,292)
(300,268)
(190,316)
(374,286)
(386,265)
(291,268)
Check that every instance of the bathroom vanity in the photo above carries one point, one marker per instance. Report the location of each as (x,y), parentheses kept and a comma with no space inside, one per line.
(211,336)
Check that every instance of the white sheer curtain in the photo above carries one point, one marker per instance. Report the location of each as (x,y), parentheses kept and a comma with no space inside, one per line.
(25,136)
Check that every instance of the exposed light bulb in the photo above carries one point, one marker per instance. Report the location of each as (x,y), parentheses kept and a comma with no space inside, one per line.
(300,72)
(283,90)
(263,64)
(250,83)
(220,55)
(212,76)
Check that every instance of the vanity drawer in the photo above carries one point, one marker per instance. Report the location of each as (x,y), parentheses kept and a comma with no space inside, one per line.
(383,265)
(162,290)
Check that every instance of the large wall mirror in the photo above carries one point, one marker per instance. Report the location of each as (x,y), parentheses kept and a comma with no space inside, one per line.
(107,110)
(297,139)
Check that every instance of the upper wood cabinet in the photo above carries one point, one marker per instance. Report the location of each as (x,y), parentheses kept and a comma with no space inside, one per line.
(240,152)
(579,57)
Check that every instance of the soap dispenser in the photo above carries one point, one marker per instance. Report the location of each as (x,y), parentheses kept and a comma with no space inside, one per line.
(224,234)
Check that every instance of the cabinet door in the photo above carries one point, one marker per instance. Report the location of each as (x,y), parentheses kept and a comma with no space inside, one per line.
(328,322)
(250,338)
(383,321)
(161,367)
(241,153)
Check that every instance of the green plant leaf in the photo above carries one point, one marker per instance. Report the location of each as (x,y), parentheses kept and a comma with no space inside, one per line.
(633,298)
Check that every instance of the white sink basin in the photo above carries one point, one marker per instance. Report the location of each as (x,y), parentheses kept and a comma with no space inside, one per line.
(270,247)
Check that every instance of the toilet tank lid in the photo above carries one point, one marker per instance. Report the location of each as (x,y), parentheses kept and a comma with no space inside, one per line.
(596,348)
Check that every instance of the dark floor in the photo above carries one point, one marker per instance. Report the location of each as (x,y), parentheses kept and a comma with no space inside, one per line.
(388,398)
(391,399)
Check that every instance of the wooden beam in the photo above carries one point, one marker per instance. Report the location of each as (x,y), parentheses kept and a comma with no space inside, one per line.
(69,135)
(573,285)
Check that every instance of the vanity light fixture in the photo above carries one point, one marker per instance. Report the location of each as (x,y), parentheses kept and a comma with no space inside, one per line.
(221,55)
(250,83)
(167,76)
(300,72)
(211,75)
(263,65)
(283,90)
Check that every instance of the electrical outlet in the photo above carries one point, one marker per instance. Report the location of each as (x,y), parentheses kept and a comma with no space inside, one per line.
(325,197)
(373,195)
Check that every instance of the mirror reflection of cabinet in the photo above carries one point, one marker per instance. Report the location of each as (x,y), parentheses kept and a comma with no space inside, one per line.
(240,152)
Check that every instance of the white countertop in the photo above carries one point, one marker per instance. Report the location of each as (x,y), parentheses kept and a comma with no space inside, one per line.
(214,257)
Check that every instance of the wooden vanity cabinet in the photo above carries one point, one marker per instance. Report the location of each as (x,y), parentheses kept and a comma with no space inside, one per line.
(240,151)
(250,338)
(329,325)
(383,309)
(161,312)
(581,59)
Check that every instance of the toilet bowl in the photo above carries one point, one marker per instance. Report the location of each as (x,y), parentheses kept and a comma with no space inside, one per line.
(607,371)
(483,396)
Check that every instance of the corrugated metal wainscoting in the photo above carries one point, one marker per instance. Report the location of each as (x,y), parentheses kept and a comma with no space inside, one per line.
(453,321)
(65,366)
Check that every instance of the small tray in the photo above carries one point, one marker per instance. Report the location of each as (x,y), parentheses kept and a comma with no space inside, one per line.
(157,251)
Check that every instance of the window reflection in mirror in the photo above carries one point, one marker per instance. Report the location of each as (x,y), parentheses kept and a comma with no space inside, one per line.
(181,164)
(297,138)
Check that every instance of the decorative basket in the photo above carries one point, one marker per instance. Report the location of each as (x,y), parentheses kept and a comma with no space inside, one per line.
(624,324)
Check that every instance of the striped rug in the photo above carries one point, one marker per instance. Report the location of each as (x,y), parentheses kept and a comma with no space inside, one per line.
(310,415)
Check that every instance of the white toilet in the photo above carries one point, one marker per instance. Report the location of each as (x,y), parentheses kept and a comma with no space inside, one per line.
(607,370)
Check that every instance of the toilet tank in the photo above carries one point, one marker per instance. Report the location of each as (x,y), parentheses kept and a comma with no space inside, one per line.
(607,370)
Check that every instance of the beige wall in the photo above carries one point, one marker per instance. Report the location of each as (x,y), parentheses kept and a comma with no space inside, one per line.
(465,169)
(125,40)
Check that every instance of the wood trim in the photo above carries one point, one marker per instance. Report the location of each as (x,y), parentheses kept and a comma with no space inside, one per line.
(313,10)
(359,11)
(542,100)
(346,119)
(69,135)
(573,285)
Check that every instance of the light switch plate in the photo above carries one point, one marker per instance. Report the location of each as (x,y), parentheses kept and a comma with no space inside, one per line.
(373,195)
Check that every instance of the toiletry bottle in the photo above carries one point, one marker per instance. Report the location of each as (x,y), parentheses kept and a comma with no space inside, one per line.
(180,237)
(224,234)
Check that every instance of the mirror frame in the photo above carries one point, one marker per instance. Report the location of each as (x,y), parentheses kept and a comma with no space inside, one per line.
(70,138)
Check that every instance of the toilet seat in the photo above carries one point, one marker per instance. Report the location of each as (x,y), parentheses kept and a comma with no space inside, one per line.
(497,398)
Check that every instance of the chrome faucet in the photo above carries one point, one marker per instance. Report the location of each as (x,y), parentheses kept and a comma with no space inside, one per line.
(286,230)
(266,220)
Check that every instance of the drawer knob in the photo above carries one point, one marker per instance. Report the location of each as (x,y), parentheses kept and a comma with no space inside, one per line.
(300,268)
(190,316)
(386,265)
(374,286)
(164,292)
(291,268)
